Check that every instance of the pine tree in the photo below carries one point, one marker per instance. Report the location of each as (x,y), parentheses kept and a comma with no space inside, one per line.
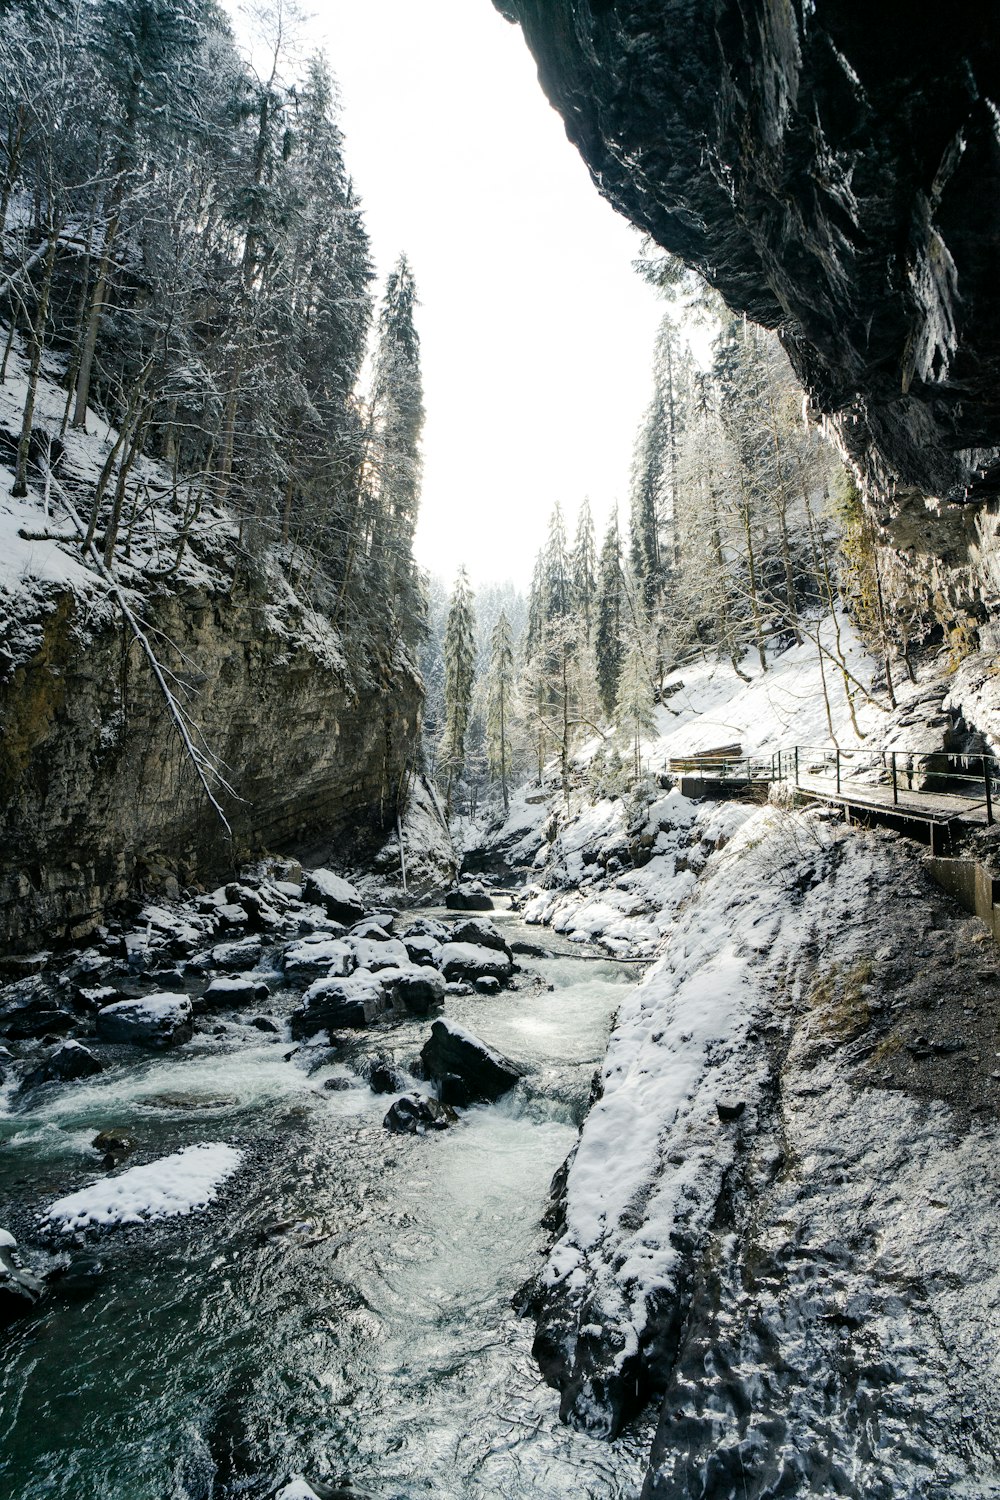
(398,419)
(459,677)
(610,618)
(584,566)
(499,691)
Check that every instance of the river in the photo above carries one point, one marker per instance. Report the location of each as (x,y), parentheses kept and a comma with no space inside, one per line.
(344,1310)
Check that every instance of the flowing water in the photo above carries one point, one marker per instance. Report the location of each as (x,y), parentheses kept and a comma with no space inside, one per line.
(343,1310)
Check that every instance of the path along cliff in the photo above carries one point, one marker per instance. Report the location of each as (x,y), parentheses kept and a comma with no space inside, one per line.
(776,1224)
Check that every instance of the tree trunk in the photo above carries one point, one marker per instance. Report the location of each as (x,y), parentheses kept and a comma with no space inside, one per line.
(89,346)
(20,487)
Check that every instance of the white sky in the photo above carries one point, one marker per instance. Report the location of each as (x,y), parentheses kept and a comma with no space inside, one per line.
(536,334)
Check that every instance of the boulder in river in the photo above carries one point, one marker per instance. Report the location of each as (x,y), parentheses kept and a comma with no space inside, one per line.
(114,1146)
(68,1061)
(379,928)
(20,1292)
(417,990)
(486,1073)
(481,932)
(375,953)
(318,954)
(354,1002)
(382,1077)
(470,962)
(487,984)
(228,991)
(468,897)
(235,956)
(337,897)
(413,1115)
(421,948)
(161,1020)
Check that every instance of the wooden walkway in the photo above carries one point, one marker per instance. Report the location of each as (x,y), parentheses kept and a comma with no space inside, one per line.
(969,784)
(942,806)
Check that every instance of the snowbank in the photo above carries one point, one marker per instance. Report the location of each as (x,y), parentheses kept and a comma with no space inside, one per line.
(177,1184)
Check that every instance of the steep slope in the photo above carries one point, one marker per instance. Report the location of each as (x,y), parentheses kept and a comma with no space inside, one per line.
(306,745)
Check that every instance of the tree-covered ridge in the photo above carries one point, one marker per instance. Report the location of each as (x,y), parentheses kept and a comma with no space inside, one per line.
(742,538)
(182,243)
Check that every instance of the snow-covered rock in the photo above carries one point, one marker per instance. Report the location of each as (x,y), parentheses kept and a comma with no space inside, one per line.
(374,954)
(177,1184)
(337,896)
(481,932)
(468,961)
(229,991)
(330,1004)
(452,1051)
(159,1020)
(318,954)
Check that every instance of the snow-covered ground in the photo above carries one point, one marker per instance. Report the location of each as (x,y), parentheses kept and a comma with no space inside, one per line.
(177,1184)
(40,553)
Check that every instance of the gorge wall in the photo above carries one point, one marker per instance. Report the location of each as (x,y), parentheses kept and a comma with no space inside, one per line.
(99,799)
(832,168)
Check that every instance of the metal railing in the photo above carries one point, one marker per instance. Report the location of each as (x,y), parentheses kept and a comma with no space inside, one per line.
(940,773)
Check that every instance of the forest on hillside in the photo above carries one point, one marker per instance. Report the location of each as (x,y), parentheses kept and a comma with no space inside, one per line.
(743,533)
(182,249)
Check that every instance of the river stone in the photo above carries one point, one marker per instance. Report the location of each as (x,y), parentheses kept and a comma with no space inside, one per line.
(378,928)
(354,1002)
(486,1073)
(20,1292)
(71,1060)
(114,1146)
(488,985)
(468,898)
(225,992)
(427,927)
(161,1020)
(264,1023)
(382,1077)
(481,932)
(241,955)
(80,1278)
(418,990)
(374,954)
(412,1115)
(337,897)
(470,962)
(422,949)
(30,1024)
(321,954)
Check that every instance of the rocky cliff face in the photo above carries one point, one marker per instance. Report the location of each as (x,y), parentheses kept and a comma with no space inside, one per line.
(833,169)
(97,795)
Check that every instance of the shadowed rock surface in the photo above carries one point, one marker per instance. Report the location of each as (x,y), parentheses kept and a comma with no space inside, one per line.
(833,170)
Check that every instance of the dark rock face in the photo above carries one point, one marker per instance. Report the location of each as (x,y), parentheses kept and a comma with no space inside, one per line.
(412,1115)
(98,799)
(450,1050)
(834,170)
